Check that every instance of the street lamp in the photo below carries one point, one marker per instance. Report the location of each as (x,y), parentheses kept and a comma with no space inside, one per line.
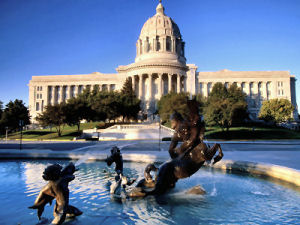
(6,128)
(21,124)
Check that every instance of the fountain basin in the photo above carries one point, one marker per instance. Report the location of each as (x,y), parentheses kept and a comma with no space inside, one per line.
(231,198)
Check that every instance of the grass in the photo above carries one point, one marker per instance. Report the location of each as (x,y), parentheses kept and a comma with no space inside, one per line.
(69,132)
(250,133)
(234,133)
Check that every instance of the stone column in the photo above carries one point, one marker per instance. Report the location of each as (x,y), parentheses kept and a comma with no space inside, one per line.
(159,85)
(133,84)
(140,86)
(164,47)
(169,83)
(137,48)
(150,86)
(53,95)
(264,90)
(178,84)
(205,92)
(61,97)
(173,42)
(76,90)
(184,84)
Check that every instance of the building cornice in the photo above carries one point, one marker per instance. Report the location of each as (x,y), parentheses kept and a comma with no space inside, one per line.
(136,66)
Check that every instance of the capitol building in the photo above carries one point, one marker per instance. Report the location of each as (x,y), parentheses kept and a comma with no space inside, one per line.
(160,67)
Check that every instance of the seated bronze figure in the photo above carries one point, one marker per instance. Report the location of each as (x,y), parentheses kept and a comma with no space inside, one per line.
(57,187)
(188,158)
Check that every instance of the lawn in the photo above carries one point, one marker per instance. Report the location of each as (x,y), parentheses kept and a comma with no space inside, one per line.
(234,133)
(69,132)
(251,133)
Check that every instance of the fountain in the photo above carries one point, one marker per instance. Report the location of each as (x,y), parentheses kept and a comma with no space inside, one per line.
(230,192)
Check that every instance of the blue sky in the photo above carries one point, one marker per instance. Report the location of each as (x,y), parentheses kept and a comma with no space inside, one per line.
(57,37)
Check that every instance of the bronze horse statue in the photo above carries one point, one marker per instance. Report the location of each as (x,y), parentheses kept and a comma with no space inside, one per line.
(57,188)
(189,157)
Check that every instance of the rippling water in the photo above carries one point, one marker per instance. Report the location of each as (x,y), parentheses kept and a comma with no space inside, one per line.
(230,199)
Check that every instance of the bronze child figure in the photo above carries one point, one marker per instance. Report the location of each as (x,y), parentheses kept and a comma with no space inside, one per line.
(57,188)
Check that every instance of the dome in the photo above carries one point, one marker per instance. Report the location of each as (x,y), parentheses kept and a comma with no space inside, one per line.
(160,38)
(160,24)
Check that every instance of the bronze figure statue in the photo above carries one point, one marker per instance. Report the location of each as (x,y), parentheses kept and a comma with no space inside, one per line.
(57,187)
(188,158)
(120,180)
(115,157)
(148,181)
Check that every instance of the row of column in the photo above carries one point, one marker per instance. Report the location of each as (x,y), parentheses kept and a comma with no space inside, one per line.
(60,93)
(140,82)
(262,89)
(158,43)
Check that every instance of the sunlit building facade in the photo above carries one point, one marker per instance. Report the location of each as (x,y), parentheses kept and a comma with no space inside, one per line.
(159,68)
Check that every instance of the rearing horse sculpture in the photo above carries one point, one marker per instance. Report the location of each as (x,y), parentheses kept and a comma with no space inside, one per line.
(188,158)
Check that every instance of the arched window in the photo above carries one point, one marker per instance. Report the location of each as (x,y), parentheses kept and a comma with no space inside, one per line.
(157,43)
(168,43)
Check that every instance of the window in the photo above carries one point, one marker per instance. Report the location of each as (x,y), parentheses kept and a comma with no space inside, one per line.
(37,107)
(38,88)
(157,43)
(41,88)
(37,96)
(40,95)
(168,43)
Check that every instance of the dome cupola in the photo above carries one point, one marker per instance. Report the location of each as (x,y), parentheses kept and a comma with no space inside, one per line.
(160,39)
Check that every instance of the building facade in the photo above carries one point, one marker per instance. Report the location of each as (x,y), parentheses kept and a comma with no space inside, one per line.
(159,68)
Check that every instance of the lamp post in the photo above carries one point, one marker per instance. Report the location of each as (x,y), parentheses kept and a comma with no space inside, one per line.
(6,134)
(21,124)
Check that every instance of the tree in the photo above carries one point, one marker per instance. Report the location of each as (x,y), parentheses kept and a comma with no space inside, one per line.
(13,113)
(106,105)
(54,115)
(225,107)
(79,108)
(130,103)
(276,110)
(1,109)
(172,102)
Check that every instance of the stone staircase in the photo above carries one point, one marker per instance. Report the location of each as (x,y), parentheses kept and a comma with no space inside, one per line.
(143,131)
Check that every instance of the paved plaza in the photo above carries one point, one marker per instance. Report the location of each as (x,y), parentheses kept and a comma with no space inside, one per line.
(282,153)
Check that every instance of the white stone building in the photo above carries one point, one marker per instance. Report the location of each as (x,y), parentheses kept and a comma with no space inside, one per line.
(160,67)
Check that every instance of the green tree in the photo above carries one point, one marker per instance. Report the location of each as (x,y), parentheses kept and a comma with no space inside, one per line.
(106,105)
(1,109)
(54,115)
(276,110)
(13,113)
(172,102)
(225,107)
(130,104)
